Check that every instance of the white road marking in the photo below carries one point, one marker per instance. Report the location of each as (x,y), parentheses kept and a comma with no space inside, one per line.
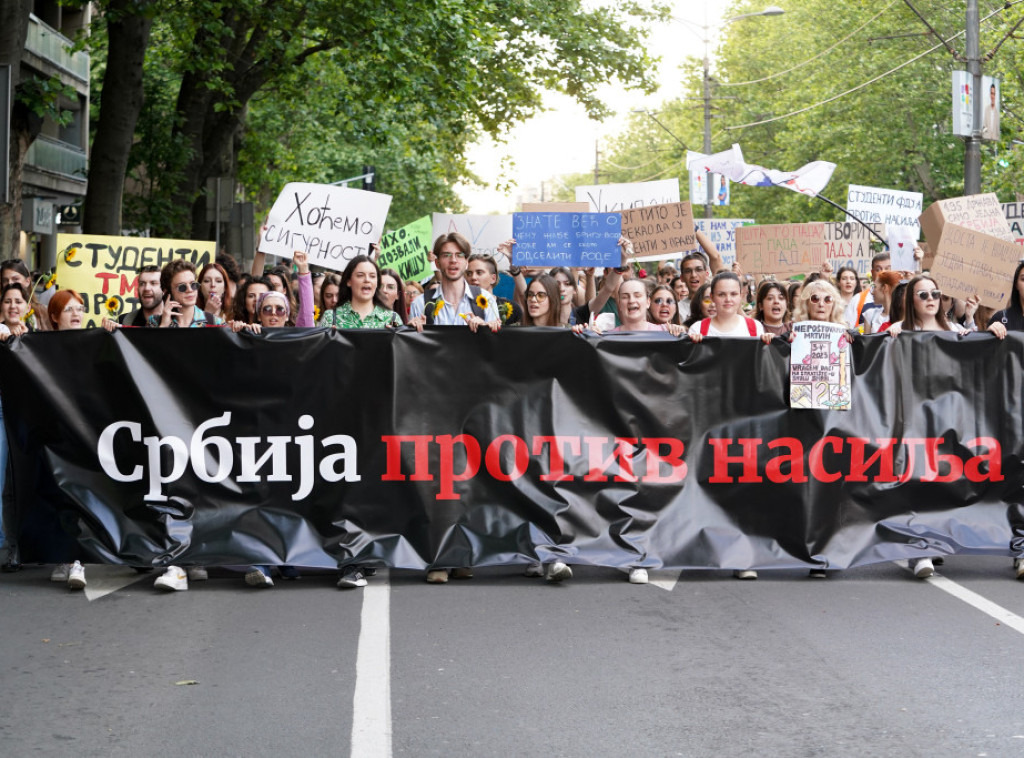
(101,580)
(973,599)
(371,702)
(666,579)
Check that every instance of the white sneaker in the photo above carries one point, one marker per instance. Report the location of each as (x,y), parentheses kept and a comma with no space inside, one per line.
(437,576)
(745,574)
(534,569)
(638,576)
(172,579)
(60,573)
(198,574)
(558,572)
(76,576)
(922,567)
(351,577)
(256,578)
(1018,566)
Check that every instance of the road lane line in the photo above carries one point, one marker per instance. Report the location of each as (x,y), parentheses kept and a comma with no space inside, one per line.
(371,701)
(973,599)
(665,579)
(102,580)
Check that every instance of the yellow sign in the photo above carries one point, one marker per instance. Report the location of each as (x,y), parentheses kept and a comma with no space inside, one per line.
(103,269)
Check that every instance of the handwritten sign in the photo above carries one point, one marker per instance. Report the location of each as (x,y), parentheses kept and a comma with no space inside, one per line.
(106,268)
(722,233)
(659,231)
(802,248)
(1014,213)
(819,366)
(968,262)
(608,198)
(567,239)
(979,212)
(331,224)
(484,233)
(898,210)
(406,250)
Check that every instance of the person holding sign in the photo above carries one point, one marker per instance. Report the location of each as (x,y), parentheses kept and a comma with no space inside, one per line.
(181,297)
(454,301)
(1011,318)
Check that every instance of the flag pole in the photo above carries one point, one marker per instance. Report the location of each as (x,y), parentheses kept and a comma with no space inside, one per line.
(837,205)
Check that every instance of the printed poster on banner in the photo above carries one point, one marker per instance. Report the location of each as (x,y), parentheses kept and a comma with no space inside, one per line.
(104,270)
(407,250)
(898,210)
(484,233)
(331,224)
(820,367)
(722,233)
(567,239)
(608,198)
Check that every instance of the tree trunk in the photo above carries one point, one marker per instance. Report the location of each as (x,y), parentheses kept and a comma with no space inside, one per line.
(13,30)
(128,28)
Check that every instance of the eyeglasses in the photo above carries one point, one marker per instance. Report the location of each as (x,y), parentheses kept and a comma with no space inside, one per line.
(389,287)
(540,297)
(451,256)
(706,301)
(688,271)
(74,309)
(925,296)
(826,299)
(276,310)
(664,301)
(186,286)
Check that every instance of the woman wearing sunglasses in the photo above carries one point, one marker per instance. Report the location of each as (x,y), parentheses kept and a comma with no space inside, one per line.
(664,308)
(923,310)
(181,299)
(701,306)
(819,301)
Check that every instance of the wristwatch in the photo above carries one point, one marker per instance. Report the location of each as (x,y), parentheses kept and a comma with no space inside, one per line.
(515,270)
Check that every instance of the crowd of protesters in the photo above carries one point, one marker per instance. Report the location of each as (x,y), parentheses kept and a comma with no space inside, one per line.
(702,298)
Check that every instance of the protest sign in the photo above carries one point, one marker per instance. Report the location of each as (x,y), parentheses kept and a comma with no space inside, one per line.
(331,224)
(484,233)
(1014,213)
(406,250)
(555,208)
(103,269)
(819,366)
(898,210)
(979,212)
(968,263)
(567,239)
(722,233)
(802,248)
(608,198)
(659,231)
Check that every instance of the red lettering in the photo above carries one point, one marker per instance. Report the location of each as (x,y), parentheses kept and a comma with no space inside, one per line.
(520,458)
(859,466)
(816,463)
(106,279)
(795,461)
(909,443)
(723,459)
(673,459)
(993,457)
(621,457)
(934,460)
(447,473)
(127,285)
(556,463)
(421,468)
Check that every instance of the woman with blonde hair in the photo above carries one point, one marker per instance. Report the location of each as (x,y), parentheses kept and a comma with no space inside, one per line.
(818,301)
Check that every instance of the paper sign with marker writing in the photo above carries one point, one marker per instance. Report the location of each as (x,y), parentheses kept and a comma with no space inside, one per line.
(968,262)
(406,250)
(722,233)
(659,231)
(484,233)
(332,224)
(979,212)
(820,366)
(898,210)
(1014,213)
(567,239)
(801,248)
(608,198)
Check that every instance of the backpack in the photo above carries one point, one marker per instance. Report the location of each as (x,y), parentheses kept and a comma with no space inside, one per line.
(705,325)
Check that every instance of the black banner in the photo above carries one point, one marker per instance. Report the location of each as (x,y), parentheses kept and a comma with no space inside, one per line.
(447,448)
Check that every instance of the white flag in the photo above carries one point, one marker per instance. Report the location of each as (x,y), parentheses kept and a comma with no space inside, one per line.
(807,180)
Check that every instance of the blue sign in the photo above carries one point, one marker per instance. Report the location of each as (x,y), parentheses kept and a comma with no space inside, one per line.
(567,239)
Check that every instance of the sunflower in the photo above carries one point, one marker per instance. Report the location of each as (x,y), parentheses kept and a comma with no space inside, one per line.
(506,311)
(481,301)
(71,253)
(437,307)
(30,314)
(112,306)
(51,281)
(316,312)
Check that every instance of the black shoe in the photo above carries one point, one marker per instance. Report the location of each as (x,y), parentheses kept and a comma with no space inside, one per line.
(10,567)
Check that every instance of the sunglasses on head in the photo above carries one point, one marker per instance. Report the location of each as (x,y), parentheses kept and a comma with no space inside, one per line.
(933,295)
(826,299)
(186,286)
(276,310)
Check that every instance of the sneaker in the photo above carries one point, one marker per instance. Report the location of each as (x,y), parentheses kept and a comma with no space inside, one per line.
(1018,567)
(817,574)
(172,579)
(462,573)
(437,576)
(534,569)
(289,572)
(745,574)
(638,576)
(922,567)
(76,576)
(60,573)
(558,572)
(198,574)
(351,577)
(258,578)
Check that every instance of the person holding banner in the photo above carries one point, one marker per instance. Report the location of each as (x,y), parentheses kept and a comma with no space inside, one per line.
(248,297)
(819,301)
(181,296)
(14,271)
(454,302)
(634,310)
(773,308)
(726,291)
(543,295)
(66,310)
(360,303)
(1011,318)
(150,296)
(664,308)
(705,306)
(15,309)
(482,272)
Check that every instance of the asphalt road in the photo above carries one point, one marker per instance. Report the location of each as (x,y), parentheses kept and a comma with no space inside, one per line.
(869,662)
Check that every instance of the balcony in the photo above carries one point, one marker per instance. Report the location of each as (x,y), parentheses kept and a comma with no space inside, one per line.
(52,46)
(53,156)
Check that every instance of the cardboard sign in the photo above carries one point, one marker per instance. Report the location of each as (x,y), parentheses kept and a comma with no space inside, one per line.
(484,233)
(105,269)
(898,210)
(722,233)
(801,248)
(659,231)
(331,224)
(555,208)
(819,366)
(608,198)
(968,262)
(407,250)
(567,239)
(979,212)
(1014,213)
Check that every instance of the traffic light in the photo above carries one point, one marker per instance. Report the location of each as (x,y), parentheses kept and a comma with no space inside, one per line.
(370,178)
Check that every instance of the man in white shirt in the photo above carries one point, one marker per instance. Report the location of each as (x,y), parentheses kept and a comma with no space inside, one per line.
(455,302)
